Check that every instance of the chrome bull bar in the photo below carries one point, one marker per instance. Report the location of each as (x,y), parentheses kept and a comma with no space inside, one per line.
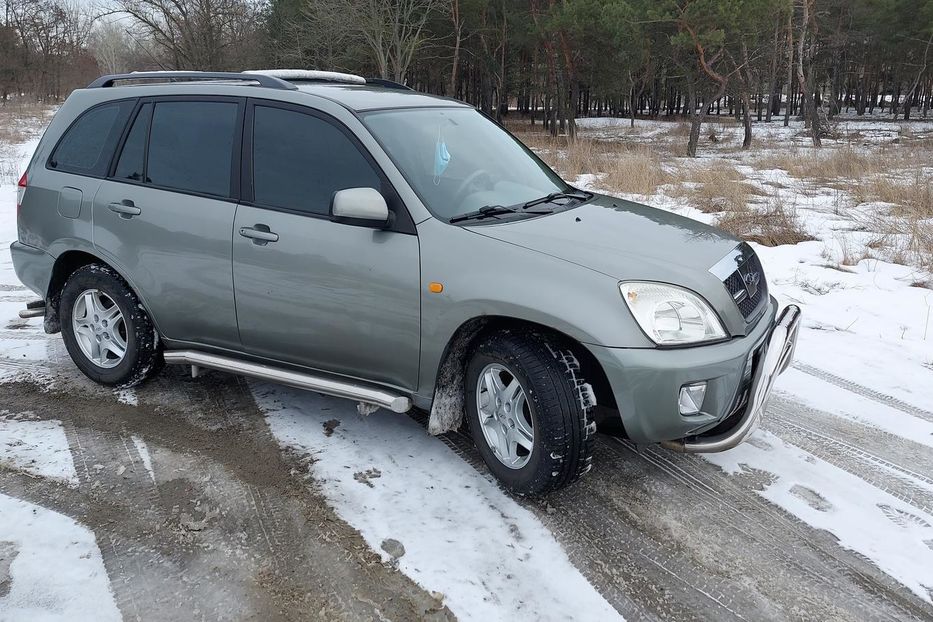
(778,354)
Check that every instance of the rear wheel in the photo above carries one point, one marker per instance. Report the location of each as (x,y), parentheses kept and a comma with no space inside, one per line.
(528,410)
(106,331)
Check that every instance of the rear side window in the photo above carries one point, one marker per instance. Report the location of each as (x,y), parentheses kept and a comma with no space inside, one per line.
(300,161)
(133,158)
(191,146)
(87,146)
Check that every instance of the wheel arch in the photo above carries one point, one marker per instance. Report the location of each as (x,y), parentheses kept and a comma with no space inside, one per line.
(447,406)
(65,265)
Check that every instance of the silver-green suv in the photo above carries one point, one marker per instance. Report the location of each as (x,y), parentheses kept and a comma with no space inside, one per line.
(359,239)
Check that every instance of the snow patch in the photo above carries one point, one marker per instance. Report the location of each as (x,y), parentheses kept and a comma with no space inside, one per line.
(462,536)
(36,447)
(57,572)
(143,450)
(127,396)
(865,519)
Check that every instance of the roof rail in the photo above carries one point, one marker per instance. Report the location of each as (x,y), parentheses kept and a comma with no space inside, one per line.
(315,75)
(389,84)
(190,76)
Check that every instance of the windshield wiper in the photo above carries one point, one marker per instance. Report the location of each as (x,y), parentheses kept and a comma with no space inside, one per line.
(574,194)
(492,211)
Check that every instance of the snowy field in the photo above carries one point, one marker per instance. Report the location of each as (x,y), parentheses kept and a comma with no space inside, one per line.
(128,504)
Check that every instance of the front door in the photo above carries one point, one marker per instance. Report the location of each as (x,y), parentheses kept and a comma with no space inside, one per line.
(310,290)
(165,215)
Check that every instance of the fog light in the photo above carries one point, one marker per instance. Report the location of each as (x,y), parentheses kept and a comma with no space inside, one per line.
(691,398)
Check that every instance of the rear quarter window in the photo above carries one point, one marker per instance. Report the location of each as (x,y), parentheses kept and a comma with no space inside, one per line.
(87,146)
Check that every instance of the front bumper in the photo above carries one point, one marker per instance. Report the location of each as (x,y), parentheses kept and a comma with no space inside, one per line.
(645,384)
(777,356)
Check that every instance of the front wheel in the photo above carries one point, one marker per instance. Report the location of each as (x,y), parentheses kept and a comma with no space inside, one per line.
(106,331)
(529,411)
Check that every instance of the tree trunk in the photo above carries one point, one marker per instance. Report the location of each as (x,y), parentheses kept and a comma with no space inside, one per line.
(696,122)
(458,36)
(809,106)
(790,64)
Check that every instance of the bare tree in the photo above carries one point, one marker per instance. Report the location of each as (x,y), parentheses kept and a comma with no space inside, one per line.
(197,34)
(112,47)
(53,36)
(392,30)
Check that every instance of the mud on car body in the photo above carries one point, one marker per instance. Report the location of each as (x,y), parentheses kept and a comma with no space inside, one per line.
(363,240)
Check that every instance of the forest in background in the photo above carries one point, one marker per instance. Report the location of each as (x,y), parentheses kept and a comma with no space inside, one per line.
(548,60)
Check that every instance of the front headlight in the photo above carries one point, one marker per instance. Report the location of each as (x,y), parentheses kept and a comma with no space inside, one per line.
(671,315)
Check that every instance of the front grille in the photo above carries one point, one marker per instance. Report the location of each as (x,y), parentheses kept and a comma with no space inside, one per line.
(748,287)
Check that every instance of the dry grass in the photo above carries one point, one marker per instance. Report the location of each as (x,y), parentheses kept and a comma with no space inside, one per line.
(825,165)
(717,187)
(19,122)
(912,198)
(626,169)
(774,226)
(637,171)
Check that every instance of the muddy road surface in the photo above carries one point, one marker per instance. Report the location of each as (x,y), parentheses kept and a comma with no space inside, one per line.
(215,521)
(228,530)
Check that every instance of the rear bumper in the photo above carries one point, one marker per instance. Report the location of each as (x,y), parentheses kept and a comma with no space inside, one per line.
(646,381)
(33,267)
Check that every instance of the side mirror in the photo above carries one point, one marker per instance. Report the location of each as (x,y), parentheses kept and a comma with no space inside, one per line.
(360,204)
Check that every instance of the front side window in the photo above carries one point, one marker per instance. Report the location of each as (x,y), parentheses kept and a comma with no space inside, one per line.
(457,160)
(88,144)
(191,146)
(300,161)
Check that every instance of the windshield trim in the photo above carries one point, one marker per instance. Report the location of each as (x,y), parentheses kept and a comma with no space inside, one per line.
(551,173)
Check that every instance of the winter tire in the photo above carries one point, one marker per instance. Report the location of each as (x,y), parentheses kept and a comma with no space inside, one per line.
(528,411)
(106,331)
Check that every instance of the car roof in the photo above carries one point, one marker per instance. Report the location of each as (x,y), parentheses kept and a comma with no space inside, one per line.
(366,97)
(353,92)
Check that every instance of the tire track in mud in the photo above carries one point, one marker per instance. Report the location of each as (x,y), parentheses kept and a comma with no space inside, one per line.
(225,529)
(853,387)
(668,536)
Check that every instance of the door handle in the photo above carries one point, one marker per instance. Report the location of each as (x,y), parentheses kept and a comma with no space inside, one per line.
(125,208)
(260,234)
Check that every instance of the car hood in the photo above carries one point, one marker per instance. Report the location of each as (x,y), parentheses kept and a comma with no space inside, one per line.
(622,239)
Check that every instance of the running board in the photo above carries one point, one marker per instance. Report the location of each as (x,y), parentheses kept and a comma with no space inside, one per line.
(337,388)
(36,308)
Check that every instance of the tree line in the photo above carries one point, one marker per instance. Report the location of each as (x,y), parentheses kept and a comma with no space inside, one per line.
(549,60)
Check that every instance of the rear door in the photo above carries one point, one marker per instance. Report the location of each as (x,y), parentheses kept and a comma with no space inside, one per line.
(313,291)
(165,214)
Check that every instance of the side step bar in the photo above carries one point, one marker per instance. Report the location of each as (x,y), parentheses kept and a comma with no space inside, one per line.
(337,388)
(36,308)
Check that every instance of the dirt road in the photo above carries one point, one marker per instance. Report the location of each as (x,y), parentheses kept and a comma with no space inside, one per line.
(232,528)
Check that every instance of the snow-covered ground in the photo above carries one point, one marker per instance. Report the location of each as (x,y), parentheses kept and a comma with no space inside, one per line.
(865,357)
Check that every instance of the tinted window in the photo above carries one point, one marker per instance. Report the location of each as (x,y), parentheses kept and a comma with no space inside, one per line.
(133,157)
(300,161)
(88,144)
(191,146)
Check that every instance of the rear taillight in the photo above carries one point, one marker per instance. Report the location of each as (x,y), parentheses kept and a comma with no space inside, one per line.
(20,191)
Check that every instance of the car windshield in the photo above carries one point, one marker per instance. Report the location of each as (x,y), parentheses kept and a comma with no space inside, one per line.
(459,161)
